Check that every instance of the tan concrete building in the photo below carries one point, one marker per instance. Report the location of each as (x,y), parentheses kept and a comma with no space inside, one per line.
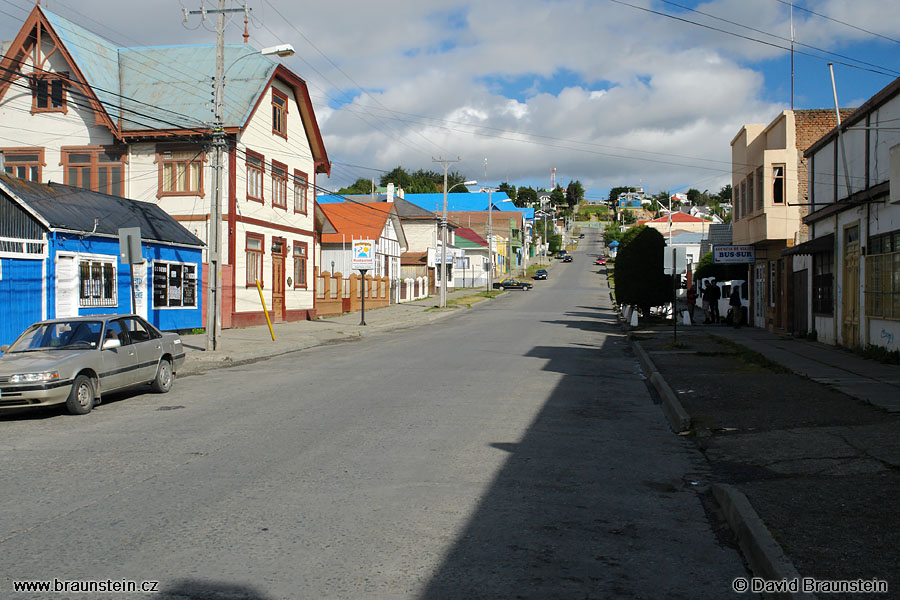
(769,193)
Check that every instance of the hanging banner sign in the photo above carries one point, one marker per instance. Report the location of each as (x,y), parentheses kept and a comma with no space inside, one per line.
(733,254)
(363,255)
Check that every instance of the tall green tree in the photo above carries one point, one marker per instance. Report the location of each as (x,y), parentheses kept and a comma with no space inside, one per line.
(510,191)
(422,181)
(558,196)
(640,280)
(574,193)
(360,186)
(526,196)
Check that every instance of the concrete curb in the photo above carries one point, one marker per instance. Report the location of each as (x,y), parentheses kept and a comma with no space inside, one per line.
(679,419)
(767,559)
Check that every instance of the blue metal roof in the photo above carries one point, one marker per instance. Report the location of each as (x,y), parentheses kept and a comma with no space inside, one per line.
(171,86)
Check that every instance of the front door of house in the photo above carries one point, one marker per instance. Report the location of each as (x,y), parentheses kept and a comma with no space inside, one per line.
(850,288)
(800,302)
(278,284)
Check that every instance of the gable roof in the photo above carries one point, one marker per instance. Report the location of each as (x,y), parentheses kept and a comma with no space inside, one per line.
(677,217)
(360,221)
(466,238)
(405,208)
(139,91)
(65,208)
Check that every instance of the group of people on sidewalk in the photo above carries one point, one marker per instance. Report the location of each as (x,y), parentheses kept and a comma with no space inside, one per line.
(710,296)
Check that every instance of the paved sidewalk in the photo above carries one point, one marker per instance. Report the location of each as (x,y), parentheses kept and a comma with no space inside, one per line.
(804,463)
(236,346)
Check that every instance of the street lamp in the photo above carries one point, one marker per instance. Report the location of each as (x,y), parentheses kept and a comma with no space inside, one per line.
(444,238)
(214,300)
(491,237)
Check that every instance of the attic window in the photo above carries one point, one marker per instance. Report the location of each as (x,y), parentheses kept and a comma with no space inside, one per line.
(279,113)
(48,93)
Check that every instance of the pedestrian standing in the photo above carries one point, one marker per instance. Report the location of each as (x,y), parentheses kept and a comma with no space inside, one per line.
(714,296)
(704,296)
(734,301)
(692,302)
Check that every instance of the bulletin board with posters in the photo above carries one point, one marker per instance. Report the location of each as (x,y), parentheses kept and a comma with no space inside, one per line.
(174,285)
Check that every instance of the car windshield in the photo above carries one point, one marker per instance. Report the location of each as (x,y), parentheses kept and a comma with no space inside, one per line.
(59,335)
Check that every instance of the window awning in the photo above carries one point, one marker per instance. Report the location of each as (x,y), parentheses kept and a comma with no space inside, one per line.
(813,246)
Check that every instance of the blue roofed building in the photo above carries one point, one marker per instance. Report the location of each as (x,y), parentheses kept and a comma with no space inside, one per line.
(137,123)
(60,257)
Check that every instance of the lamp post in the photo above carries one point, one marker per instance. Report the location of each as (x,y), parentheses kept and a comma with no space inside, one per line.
(491,237)
(444,234)
(214,298)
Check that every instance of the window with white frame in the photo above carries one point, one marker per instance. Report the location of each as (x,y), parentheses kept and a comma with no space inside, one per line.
(254,256)
(279,184)
(778,184)
(97,282)
(180,172)
(300,258)
(301,187)
(255,171)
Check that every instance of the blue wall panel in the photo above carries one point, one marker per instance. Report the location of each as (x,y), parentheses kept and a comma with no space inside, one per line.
(20,296)
(162,318)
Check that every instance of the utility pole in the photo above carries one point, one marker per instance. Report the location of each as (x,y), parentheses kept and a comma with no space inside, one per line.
(213,244)
(446,164)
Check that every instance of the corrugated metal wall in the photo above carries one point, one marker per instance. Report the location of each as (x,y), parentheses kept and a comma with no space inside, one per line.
(16,223)
(20,296)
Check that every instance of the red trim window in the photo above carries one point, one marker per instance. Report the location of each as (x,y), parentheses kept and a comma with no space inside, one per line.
(255,247)
(279,184)
(279,113)
(94,168)
(301,189)
(301,255)
(48,93)
(180,171)
(256,168)
(24,163)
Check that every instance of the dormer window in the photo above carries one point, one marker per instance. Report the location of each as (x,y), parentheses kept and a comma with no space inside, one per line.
(279,113)
(48,93)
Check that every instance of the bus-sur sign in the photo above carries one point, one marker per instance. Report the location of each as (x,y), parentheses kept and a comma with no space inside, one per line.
(733,254)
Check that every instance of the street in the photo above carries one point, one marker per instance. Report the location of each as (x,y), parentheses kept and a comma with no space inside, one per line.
(513,451)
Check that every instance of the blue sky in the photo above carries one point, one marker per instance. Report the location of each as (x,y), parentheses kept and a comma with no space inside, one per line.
(606,93)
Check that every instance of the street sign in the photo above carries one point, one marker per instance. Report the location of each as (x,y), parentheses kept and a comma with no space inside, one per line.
(130,245)
(363,255)
(733,254)
(675,260)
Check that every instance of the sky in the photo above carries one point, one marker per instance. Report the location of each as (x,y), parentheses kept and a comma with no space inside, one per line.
(608,92)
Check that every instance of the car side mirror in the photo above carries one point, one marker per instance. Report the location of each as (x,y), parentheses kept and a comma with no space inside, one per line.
(111,343)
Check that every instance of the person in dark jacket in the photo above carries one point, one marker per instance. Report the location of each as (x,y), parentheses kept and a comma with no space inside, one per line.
(734,301)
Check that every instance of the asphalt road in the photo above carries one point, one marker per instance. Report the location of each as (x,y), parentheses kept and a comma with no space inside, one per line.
(511,452)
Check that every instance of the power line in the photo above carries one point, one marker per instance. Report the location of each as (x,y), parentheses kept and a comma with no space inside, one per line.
(890,39)
(745,37)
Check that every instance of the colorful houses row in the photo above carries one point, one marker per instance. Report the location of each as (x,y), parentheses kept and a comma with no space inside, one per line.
(98,124)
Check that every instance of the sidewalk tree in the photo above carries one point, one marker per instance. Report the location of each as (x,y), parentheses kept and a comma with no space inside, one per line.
(640,280)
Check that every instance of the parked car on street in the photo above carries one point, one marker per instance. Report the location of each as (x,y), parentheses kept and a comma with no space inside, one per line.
(540,274)
(567,258)
(514,284)
(580,236)
(601,260)
(76,360)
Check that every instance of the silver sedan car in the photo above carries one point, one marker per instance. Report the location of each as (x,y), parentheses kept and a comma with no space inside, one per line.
(74,361)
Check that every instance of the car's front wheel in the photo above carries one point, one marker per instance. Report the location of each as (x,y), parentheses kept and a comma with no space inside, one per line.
(81,398)
(165,377)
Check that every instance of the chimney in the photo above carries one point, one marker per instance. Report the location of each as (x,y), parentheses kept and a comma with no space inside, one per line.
(390,192)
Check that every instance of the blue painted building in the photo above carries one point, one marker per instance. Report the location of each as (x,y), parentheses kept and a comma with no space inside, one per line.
(59,257)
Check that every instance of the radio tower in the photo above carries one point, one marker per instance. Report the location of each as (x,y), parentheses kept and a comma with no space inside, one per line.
(552,179)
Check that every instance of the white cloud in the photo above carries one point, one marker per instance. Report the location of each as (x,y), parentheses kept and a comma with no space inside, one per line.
(439,72)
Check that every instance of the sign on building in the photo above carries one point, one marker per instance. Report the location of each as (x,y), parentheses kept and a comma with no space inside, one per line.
(733,255)
(363,255)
